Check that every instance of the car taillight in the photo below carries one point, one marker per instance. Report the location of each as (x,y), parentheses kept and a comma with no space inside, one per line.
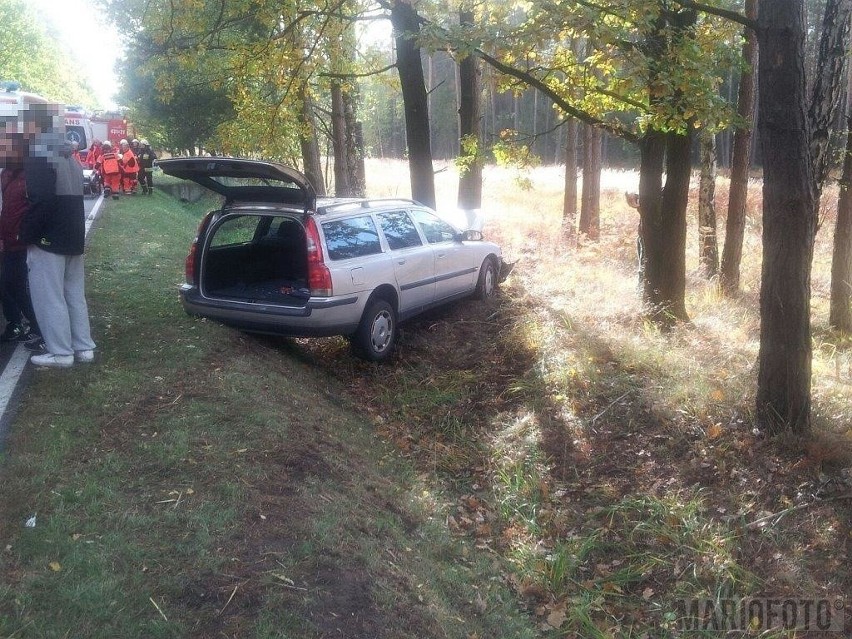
(191,263)
(319,277)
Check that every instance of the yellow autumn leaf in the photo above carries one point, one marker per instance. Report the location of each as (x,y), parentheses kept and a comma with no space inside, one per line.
(717,395)
(55,566)
(714,431)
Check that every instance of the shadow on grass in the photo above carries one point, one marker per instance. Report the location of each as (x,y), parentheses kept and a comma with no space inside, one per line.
(539,438)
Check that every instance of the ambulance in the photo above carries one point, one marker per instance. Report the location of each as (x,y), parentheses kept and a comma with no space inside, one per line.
(78,128)
(13,101)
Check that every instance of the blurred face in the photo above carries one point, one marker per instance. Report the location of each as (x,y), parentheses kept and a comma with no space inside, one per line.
(12,149)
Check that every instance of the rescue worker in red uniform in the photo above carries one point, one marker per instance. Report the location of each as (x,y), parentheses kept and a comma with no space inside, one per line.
(93,154)
(110,170)
(129,168)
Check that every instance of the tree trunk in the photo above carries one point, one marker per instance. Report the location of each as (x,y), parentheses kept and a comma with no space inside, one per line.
(470,143)
(662,228)
(732,251)
(828,85)
(590,205)
(569,204)
(840,315)
(354,146)
(708,248)
(342,187)
(406,27)
(789,221)
(309,146)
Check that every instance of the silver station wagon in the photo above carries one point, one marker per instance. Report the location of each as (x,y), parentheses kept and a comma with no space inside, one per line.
(277,259)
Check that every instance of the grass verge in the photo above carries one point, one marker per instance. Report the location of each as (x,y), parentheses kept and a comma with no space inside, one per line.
(196,482)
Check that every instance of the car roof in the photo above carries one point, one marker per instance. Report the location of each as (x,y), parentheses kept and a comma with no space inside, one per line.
(340,205)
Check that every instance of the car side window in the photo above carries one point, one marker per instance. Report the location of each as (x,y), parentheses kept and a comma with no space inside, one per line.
(352,237)
(240,229)
(433,227)
(399,230)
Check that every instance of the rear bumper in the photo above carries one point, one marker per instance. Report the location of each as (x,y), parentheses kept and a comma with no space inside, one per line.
(320,317)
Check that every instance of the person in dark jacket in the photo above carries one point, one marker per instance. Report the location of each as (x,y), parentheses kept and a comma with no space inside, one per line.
(14,205)
(146,158)
(54,230)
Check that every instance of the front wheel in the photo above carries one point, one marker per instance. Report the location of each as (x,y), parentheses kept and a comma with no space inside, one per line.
(376,335)
(486,286)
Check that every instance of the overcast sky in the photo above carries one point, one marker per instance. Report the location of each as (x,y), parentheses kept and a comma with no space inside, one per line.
(90,38)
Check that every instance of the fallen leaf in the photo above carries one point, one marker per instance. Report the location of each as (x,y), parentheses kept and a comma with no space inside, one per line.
(55,566)
(647,593)
(714,431)
(556,617)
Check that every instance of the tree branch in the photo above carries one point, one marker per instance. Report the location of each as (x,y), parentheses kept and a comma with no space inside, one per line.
(776,517)
(733,16)
(557,99)
(366,74)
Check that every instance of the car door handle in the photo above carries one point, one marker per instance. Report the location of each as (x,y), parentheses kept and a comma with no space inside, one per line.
(441,255)
(400,262)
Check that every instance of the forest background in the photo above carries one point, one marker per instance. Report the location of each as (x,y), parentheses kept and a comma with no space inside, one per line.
(615,455)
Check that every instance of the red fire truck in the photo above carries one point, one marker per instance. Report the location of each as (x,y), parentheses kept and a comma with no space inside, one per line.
(112,126)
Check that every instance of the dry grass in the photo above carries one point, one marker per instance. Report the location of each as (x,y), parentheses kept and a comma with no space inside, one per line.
(616,468)
(710,363)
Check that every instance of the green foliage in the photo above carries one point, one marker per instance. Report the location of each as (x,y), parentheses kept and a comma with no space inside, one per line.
(31,57)
(225,78)
(509,151)
(631,65)
(471,153)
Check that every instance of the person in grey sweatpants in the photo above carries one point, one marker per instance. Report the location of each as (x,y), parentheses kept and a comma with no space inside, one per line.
(58,294)
(54,231)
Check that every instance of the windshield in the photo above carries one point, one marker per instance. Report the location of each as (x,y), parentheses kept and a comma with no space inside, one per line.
(231,182)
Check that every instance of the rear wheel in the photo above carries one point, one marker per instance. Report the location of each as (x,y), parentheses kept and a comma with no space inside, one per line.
(376,335)
(486,286)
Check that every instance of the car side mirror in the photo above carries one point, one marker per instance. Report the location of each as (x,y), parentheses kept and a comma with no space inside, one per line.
(470,235)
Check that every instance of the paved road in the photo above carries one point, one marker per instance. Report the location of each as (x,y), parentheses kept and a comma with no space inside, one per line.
(14,357)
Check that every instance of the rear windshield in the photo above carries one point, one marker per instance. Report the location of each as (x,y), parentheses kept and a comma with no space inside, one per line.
(352,237)
(239,229)
(230,181)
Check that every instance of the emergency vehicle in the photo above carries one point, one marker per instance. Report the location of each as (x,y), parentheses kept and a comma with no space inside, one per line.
(78,128)
(112,126)
(12,101)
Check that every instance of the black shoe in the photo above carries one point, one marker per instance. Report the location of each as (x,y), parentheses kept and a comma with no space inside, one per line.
(12,333)
(29,336)
(36,345)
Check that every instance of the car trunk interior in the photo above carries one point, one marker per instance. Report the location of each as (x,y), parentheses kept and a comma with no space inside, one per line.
(270,268)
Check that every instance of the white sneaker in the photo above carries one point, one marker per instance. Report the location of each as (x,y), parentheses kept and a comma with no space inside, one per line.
(52,361)
(84,356)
